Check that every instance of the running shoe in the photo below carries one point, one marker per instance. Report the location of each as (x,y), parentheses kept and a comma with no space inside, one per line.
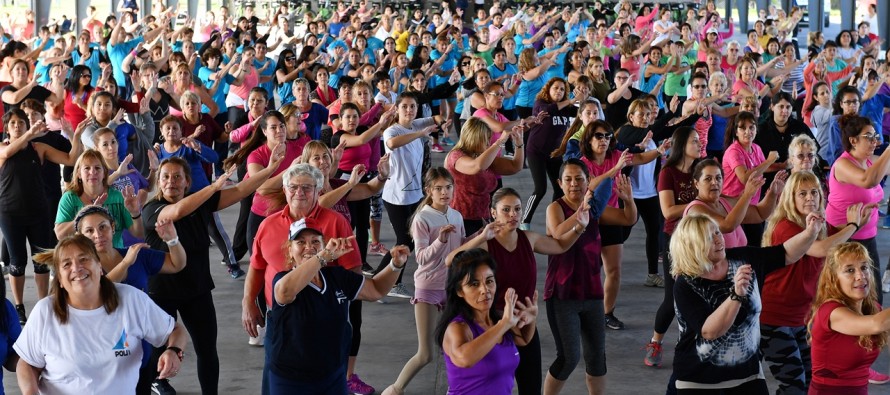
(876,377)
(356,386)
(613,323)
(377,249)
(447,141)
(653,354)
(654,280)
(437,148)
(885,223)
(20,309)
(236,272)
(367,269)
(399,291)
(162,387)
(260,339)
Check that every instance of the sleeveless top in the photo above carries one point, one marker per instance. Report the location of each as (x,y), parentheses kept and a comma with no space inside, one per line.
(516,269)
(341,206)
(492,375)
(733,239)
(575,274)
(21,186)
(844,195)
(472,193)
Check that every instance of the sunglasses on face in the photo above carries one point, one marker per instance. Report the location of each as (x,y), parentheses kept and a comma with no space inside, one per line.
(290,58)
(602,136)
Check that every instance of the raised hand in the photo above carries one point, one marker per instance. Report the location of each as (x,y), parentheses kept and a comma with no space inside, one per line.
(166,229)
(399,254)
(223,178)
(742,280)
(358,171)
(625,191)
(528,310)
(131,201)
(383,166)
(509,317)
(337,152)
(277,155)
(339,246)
(779,182)
(132,253)
(644,145)
(445,231)
(124,167)
(755,181)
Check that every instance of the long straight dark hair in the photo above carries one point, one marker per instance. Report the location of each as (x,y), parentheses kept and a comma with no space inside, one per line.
(463,266)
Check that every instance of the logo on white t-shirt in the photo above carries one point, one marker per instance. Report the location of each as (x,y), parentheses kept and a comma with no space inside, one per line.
(122,348)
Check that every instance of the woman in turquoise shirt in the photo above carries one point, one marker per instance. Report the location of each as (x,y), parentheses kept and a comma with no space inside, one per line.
(532,72)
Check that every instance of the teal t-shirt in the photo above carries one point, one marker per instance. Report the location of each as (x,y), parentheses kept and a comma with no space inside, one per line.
(70,204)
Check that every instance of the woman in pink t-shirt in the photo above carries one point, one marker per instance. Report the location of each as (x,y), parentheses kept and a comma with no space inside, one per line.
(731,212)
(848,329)
(855,178)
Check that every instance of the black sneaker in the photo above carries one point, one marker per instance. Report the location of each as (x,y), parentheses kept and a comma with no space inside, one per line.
(162,387)
(613,323)
(367,269)
(20,309)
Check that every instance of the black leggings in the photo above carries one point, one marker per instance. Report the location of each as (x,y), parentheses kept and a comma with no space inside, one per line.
(360,216)
(199,318)
(542,167)
(650,211)
(253,226)
(665,314)
(399,215)
(221,148)
(242,243)
(528,373)
(20,230)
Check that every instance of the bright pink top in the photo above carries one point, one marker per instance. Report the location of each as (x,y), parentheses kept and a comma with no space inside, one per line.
(294,148)
(608,164)
(844,195)
(733,239)
(736,156)
(358,155)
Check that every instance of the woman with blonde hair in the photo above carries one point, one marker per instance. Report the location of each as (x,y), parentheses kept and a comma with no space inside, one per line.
(847,328)
(717,300)
(788,292)
(531,71)
(476,166)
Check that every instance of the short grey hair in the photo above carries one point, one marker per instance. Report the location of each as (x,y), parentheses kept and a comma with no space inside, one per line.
(304,169)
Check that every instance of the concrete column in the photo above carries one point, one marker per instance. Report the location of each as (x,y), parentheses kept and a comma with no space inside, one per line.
(848,14)
(743,15)
(41,13)
(815,10)
(883,22)
(80,7)
(193,8)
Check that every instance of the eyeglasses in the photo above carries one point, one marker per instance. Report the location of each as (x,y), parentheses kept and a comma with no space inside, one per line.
(871,136)
(850,102)
(699,87)
(290,58)
(602,136)
(306,188)
(809,156)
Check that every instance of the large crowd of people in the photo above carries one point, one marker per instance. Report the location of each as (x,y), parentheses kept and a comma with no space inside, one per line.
(757,168)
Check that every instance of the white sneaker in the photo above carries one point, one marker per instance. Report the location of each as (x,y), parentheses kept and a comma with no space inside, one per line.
(885,281)
(399,291)
(260,339)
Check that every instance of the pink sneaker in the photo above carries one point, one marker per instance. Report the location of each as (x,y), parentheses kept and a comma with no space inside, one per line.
(355,385)
(437,148)
(876,377)
(377,249)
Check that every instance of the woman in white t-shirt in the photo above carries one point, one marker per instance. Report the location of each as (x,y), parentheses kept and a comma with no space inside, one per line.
(404,142)
(56,357)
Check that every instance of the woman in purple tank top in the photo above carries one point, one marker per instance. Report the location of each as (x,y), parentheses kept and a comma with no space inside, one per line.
(573,288)
(515,249)
(479,345)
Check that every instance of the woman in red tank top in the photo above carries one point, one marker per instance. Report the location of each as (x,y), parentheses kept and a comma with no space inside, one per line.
(514,249)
